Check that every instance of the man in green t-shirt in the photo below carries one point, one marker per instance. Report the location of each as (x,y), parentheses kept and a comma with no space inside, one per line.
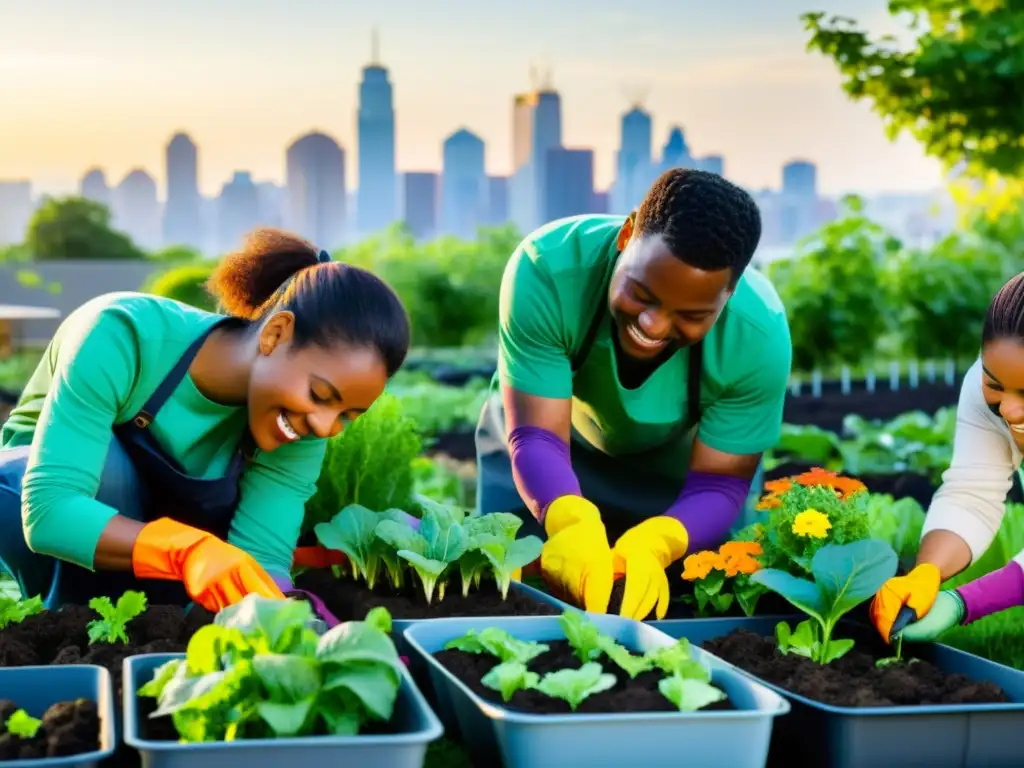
(642,372)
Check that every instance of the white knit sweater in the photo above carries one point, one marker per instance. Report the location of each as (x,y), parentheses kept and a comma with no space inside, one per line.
(971,501)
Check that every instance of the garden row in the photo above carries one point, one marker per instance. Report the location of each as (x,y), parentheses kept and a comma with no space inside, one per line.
(772,663)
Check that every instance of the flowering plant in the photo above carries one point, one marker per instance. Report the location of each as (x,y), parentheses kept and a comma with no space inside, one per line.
(720,577)
(806,512)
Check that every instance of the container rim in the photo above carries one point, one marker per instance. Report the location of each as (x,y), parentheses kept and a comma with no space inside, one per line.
(498,712)
(899,710)
(104,704)
(431,732)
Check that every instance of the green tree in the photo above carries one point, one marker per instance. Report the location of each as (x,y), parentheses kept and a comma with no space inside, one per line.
(833,290)
(186,284)
(958,88)
(76,228)
(178,254)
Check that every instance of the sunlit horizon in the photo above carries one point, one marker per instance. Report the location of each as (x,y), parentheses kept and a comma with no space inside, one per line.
(107,84)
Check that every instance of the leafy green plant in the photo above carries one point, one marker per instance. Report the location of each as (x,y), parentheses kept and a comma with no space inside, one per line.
(13,611)
(260,671)
(574,685)
(508,677)
(499,644)
(23,725)
(844,575)
(353,531)
(112,626)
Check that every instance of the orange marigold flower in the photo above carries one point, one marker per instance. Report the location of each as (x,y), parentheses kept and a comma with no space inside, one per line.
(740,548)
(699,565)
(845,487)
(736,566)
(769,501)
(778,486)
(738,557)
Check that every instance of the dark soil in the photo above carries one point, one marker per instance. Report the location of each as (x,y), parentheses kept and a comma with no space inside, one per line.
(60,637)
(68,728)
(639,694)
(853,680)
(349,599)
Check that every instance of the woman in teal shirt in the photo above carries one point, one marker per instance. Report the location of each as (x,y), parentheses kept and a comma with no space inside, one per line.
(642,371)
(169,449)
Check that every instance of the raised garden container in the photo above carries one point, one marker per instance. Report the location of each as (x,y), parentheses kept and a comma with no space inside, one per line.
(414,724)
(80,729)
(732,734)
(883,732)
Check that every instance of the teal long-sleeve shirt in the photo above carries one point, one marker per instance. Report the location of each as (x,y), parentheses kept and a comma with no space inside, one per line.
(101,366)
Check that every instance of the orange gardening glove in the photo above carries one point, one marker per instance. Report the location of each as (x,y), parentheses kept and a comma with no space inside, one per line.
(917,590)
(317,557)
(215,574)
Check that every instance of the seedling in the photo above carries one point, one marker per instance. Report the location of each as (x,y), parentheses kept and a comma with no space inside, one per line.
(574,685)
(499,644)
(509,677)
(845,575)
(112,625)
(14,611)
(898,658)
(23,725)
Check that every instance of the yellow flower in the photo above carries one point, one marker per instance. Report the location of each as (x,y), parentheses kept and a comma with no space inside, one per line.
(811,523)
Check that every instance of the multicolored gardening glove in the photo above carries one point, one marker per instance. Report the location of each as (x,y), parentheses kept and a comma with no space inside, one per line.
(215,574)
(947,611)
(641,555)
(916,591)
(576,559)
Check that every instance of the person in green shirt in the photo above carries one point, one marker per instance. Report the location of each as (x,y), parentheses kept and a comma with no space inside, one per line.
(172,450)
(642,372)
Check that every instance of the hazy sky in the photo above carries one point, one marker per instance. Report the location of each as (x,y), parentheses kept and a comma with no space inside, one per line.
(106,82)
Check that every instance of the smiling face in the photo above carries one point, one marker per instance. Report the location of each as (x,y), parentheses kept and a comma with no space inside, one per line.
(658,301)
(294,393)
(1002,383)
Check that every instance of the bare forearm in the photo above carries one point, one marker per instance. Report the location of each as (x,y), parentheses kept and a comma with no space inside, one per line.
(946,551)
(114,549)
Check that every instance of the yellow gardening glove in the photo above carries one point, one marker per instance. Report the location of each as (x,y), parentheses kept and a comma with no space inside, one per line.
(641,555)
(576,559)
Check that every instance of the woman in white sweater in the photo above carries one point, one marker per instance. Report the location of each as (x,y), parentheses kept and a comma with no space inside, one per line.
(966,512)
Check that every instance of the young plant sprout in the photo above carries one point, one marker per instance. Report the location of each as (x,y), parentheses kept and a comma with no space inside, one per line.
(844,575)
(112,625)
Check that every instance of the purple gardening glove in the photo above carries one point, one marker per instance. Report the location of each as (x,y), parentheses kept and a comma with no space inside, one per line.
(284,583)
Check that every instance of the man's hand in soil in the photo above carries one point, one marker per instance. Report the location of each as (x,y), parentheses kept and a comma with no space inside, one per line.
(215,574)
(947,611)
(317,556)
(576,559)
(641,555)
(917,590)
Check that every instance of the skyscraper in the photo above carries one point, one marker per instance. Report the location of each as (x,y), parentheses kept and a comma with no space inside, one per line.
(182,223)
(137,209)
(634,172)
(568,183)
(799,199)
(536,128)
(377,193)
(238,210)
(315,167)
(463,184)
(94,187)
(420,193)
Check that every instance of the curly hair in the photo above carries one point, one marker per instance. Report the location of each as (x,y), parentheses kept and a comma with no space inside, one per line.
(331,301)
(1005,316)
(705,221)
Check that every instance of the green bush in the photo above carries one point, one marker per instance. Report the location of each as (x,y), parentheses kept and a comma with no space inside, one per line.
(186,284)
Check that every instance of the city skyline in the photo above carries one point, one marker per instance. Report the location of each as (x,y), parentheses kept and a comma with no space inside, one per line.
(848,145)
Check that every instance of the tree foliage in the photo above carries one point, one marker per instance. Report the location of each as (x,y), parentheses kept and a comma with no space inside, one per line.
(76,228)
(186,284)
(959,89)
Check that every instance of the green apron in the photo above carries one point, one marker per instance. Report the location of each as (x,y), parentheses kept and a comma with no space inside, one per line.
(648,470)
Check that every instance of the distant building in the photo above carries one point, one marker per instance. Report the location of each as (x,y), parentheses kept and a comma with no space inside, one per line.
(15,210)
(377,191)
(137,209)
(420,198)
(569,183)
(315,167)
(463,184)
(182,220)
(94,187)
(497,200)
(238,211)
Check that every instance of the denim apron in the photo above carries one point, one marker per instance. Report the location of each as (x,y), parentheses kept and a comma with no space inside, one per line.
(162,488)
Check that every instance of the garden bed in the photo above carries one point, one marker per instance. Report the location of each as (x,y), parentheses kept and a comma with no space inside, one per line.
(348,599)
(62,637)
(853,680)
(65,728)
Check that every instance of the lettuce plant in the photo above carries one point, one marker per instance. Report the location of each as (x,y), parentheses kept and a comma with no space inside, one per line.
(353,531)
(844,575)
(14,611)
(260,671)
(22,724)
(112,626)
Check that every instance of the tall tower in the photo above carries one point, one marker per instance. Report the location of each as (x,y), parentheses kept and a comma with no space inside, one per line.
(182,222)
(315,167)
(377,195)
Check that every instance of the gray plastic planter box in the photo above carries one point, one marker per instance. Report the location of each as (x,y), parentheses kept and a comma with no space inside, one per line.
(36,689)
(495,735)
(417,722)
(936,736)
